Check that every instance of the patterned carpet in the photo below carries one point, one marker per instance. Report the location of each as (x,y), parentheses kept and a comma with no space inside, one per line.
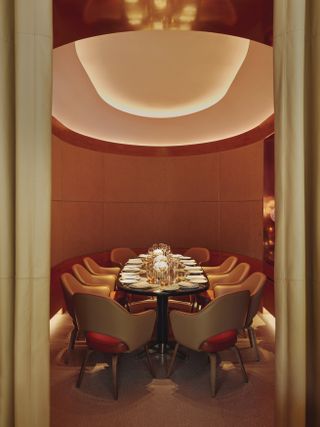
(182,401)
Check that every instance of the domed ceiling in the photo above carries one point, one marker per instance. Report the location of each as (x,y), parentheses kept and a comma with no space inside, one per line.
(162,88)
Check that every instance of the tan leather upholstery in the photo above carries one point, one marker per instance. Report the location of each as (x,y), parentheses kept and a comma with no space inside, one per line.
(235,276)
(94,268)
(83,275)
(105,316)
(212,329)
(110,328)
(255,285)
(120,256)
(224,268)
(222,314)
(201,255)
(70,286)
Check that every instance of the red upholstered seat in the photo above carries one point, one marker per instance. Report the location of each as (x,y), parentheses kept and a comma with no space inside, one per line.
(219,342)
(105,343)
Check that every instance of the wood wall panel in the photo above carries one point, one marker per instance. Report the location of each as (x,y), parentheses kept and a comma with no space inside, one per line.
(241,175)
(82,226)
(241,227)
(57,253)
(104,200)
(82,174)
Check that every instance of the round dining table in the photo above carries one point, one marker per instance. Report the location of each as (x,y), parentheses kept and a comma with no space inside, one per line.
(162,295)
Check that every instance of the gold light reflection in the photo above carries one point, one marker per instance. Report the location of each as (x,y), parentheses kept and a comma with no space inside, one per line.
(158,25)
(185,27)
(160,4)
(161,14)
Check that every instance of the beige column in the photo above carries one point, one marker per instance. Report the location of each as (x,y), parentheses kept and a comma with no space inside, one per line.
(25,187)
(297,112)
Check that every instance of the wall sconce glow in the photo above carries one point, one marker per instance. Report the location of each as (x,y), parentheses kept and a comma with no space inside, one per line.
(135,18)
(160,4)
(269,208)
(189,10)
(137,73)
(157,25)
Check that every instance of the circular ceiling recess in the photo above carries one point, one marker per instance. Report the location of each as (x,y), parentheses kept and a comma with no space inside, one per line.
(162,73)
(162,88)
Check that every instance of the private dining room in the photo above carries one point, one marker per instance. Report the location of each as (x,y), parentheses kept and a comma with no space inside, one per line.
(163,222)
(159,213)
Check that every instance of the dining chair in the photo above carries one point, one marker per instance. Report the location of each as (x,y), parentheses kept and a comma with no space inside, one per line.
(200,255)
(70,286)
(109,280)
(109,328)
(235,276)
(84,276)
(255,284)
(97,269)
(212,330)
(120,256)
(224,268)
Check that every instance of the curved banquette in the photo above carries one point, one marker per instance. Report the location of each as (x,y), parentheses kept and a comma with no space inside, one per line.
(103,258)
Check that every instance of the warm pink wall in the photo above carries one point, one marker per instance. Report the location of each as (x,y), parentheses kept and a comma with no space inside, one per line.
(104,200)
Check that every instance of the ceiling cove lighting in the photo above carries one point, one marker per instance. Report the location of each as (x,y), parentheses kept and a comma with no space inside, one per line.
(162,74)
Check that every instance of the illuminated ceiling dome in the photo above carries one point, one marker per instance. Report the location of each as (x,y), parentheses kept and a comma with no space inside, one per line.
(162,74)
(162,88)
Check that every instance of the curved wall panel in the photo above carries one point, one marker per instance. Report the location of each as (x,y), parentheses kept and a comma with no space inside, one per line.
(103,200)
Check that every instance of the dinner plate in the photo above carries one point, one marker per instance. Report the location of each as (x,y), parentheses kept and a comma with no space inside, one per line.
(199,280)
(141,285)
(185,257)
(189,263)
(130,276)
(143,255)
(134,261)
(131,269)
(195,276)
(194,270)
(126,281)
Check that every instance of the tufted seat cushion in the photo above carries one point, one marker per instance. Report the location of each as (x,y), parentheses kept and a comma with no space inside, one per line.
(105,343)
(219,342)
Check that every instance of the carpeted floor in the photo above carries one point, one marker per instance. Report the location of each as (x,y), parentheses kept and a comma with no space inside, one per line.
(182,401)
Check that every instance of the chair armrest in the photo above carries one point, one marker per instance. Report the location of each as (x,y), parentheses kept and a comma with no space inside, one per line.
(227,288)
(99,291)
(221,314)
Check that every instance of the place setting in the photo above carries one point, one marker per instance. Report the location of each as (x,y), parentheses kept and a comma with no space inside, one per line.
(163,271)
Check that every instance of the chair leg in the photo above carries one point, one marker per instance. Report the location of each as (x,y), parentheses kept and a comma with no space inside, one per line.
(253,341)
(73,338)
(173,359)
(83,367)
(238,354)
(115,358)
(250,338)
(146,349)
(213,373)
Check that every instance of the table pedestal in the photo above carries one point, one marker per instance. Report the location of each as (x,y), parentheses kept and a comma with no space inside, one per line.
(162,319)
